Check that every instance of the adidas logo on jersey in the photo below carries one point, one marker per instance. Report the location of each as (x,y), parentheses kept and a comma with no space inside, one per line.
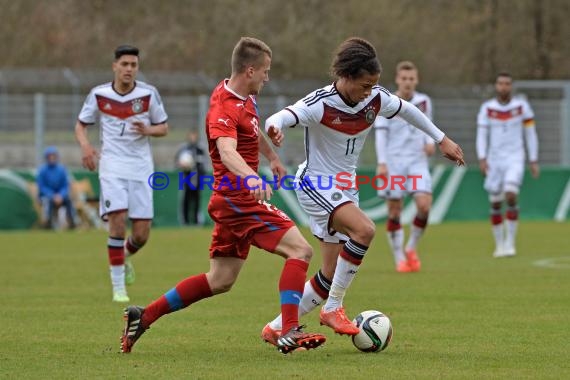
(107,106)
(336,121)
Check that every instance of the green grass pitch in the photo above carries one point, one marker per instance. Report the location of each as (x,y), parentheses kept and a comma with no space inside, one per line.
(465,315)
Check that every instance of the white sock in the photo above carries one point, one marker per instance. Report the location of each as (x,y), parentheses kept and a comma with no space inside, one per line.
(498,234)
(416,233)
(396,240)
(344,274)
(118,277)
(309,302)
(511,231)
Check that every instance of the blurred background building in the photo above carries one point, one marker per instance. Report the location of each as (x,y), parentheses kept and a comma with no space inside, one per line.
(53,52)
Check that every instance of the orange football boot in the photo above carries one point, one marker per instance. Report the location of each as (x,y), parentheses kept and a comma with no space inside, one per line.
(413,260)
(339,322)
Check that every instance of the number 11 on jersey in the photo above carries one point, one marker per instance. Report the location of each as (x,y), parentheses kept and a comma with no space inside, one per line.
(350,146)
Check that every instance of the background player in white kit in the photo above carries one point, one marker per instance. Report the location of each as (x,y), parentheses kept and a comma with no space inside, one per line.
(403,150)
(337,119)
(129,113)
(502,124)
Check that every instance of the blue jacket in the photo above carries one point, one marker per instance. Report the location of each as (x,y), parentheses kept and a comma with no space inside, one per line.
(52,179)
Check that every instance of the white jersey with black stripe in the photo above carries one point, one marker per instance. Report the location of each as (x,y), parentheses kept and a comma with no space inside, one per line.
(335,131)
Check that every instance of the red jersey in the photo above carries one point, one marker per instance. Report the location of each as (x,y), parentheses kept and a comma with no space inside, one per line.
(235,116)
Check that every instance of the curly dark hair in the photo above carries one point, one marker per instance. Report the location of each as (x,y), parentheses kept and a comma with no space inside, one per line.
(354,58)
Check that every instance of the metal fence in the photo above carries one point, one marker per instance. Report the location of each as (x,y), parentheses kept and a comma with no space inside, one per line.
(28,122)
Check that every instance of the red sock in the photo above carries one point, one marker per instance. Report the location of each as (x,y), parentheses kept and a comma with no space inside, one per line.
(115,250)
(512,213)
(419,222)
(187,292)
(291,285)
(132,248)
(393,225)
(496,219)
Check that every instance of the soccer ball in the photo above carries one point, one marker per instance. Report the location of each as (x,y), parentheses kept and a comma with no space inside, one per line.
(375,331)
(186,161)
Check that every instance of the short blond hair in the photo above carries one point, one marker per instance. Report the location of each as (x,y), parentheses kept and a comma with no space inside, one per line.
(248,51)
(405,65)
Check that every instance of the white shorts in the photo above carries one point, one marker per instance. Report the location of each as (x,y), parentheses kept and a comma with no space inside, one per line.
(125,194)
(411,185)
(504,176)
(321,205)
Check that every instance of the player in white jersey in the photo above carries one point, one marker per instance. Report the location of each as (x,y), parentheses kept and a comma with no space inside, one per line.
(403,150)
(337,119)
(129,112)
(502,125)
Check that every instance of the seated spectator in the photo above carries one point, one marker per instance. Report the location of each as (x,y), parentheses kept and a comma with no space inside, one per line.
(54,189)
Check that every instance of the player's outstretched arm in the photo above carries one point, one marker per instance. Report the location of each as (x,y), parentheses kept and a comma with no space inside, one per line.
(89,155)
(276,135)
(451,151)
(448,147)
(275,123)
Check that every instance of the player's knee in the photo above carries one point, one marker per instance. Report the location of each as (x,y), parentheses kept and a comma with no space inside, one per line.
(394,214)
(139,239)
(221,285)
(511,199)
(394,209)
(496,198)
(117,226)
(118,231)
(423,209)
(302,251)
(365,233)
(223,288)
(496,205)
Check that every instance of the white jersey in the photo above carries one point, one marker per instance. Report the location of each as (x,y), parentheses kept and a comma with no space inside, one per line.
(405,143)
(124,154)
(504,125)
(335,131)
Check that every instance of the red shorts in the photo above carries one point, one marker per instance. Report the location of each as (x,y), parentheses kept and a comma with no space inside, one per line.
(241,221)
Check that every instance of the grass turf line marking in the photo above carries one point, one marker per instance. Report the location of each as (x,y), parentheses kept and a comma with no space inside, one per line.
(553,263)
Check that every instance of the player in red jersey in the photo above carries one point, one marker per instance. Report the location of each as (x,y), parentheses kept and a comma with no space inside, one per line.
(238,207)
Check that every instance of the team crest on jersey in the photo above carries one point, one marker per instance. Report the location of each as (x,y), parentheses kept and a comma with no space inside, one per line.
(370,115)
(336,196)
(107,203)
(137,106)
